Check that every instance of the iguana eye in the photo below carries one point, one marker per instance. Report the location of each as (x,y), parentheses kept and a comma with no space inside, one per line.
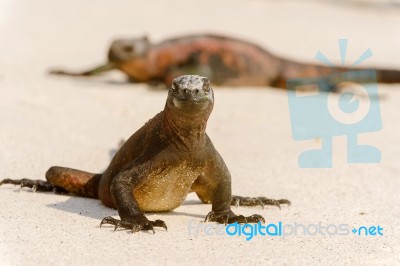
(174,87)
(206,85)
(128,49)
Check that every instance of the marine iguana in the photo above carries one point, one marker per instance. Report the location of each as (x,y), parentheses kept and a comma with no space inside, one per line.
(226,61)
(155,169)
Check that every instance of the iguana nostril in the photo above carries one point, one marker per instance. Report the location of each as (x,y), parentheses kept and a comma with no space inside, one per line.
(185,91)
(196,91)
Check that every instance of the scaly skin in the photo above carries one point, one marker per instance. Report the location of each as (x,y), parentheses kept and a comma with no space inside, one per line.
(155,169)
(227,61)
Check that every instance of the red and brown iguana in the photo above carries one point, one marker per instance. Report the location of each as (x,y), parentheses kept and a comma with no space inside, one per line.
(226,61)
(169,157)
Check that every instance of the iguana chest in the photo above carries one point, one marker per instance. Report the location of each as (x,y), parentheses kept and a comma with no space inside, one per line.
(166,189)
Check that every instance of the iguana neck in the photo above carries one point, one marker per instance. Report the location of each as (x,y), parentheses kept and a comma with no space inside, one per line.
(188,133)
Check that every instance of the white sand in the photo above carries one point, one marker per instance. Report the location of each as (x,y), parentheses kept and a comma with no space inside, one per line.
(49,121)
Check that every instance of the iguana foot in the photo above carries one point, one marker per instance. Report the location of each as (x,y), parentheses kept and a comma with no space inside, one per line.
(35,185)
(140,223)
(230,218)
(257,201)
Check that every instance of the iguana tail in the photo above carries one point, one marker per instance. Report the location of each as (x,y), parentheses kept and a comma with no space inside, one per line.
(91,72)
(388,75)
(290,69)
(63,180)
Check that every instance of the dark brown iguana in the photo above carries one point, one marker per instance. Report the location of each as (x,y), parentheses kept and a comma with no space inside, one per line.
(169,157)
(226,61)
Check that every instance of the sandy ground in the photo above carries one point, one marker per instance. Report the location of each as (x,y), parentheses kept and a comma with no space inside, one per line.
(47,121)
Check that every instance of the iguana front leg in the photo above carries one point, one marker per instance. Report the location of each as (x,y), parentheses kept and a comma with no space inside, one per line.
(214,186)
(122,192)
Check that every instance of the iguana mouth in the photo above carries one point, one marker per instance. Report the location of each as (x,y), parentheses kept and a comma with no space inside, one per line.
(189,103)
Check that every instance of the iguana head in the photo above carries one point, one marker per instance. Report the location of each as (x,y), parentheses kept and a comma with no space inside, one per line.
(126,49)
(191,95)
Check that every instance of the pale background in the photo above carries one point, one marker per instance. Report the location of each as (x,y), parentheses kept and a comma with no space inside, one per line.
(47,121)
